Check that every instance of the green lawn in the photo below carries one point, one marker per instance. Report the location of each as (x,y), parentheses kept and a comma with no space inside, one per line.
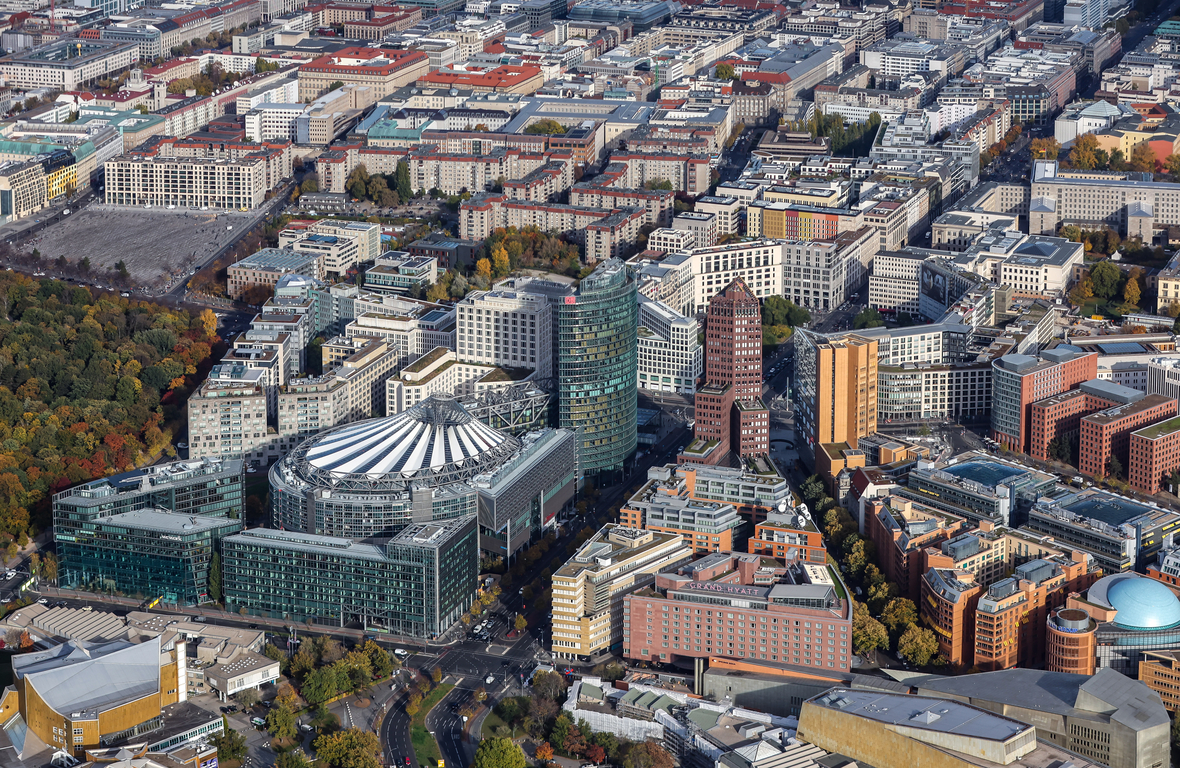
(425,747)
(490,723)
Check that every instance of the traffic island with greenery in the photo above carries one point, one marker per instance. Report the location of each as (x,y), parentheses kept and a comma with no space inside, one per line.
(780,318)
(425,747)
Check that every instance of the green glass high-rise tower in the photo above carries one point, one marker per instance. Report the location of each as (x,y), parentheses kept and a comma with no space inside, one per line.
(597,368)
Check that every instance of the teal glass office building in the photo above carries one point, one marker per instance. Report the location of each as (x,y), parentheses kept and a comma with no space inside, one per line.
(416,584)
(146,554)
(596,349)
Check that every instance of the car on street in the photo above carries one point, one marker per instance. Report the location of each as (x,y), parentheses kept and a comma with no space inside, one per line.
(43,601)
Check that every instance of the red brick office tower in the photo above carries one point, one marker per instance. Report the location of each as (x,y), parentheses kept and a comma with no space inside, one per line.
(730,414)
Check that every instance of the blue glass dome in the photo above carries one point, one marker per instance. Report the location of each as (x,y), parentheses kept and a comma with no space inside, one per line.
(1143,603)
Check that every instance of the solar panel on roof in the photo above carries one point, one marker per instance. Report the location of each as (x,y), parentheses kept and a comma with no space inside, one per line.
(1122,348)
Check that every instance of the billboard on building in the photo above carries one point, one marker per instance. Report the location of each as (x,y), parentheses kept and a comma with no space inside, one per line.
(933,284)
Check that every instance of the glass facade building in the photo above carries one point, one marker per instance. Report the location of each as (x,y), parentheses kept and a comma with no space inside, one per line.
(597,368)
(146,553)
(416,584)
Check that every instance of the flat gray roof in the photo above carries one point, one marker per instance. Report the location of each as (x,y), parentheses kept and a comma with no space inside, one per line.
(163,521)
(941,715)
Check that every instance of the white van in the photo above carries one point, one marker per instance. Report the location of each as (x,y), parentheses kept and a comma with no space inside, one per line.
(401,653)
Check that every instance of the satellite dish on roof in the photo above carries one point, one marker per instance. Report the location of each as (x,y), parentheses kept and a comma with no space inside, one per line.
(782,505)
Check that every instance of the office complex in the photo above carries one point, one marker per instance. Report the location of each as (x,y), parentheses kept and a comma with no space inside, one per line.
(68,64)
(211,486)
(669,352)
(836,396)
(595,331)
(1018,381)
(1119,533)
(1130,206)
(145,553)
(415,584)
(979,487)
(589,589)
(1105,437)
(382,70)
(667,504)
(730,414)
(804,610)
(1154,455)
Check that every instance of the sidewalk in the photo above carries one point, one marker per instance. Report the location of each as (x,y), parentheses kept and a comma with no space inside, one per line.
(217,615)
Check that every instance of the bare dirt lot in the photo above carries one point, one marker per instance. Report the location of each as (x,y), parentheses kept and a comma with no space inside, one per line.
(156,245)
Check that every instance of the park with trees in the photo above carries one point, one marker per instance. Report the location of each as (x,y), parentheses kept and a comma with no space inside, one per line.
(90,385)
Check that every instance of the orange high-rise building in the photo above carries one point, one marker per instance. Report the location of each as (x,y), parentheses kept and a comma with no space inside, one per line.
(835,398)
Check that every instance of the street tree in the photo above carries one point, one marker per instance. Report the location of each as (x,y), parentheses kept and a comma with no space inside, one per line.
(351,748)
(918,645)
(499,753)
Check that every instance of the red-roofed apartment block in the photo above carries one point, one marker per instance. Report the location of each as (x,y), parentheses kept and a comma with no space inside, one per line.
(502,79)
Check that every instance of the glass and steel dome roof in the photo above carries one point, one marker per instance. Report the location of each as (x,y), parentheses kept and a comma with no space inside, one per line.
(436,439)
(1142,603)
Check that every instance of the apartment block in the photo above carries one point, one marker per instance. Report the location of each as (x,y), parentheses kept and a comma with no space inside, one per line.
(788,535)
(902,531)
(549,182)
(1154,454)
(186,182)
(589,589)
(669,240)
(706,526)
(670,355)
(228,419)
(505,328)
(1018,381)
(604,233)
(1107,434)
(686,173)
(1011,617)
(702,225)
(727,211)
(658,203)
(947,604)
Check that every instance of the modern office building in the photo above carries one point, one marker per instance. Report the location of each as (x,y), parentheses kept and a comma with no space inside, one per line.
(145,553)
(1018,381)
(729,412)
(416,584)
(68,64)
(1105,437)
(902,530)
(1059,417)
(210,486)
(666,503)
(788,535)
(595,350)
(1071,642)
(979,487)
(1154,455)
(835,396)
(669,352)
(1119,533)
(589,589)
(804,609)
(384,70)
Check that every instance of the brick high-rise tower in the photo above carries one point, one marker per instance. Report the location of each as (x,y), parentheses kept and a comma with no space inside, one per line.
(730,414)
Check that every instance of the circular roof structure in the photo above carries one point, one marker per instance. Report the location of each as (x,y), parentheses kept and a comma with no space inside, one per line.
(1142,603)
(436,440)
